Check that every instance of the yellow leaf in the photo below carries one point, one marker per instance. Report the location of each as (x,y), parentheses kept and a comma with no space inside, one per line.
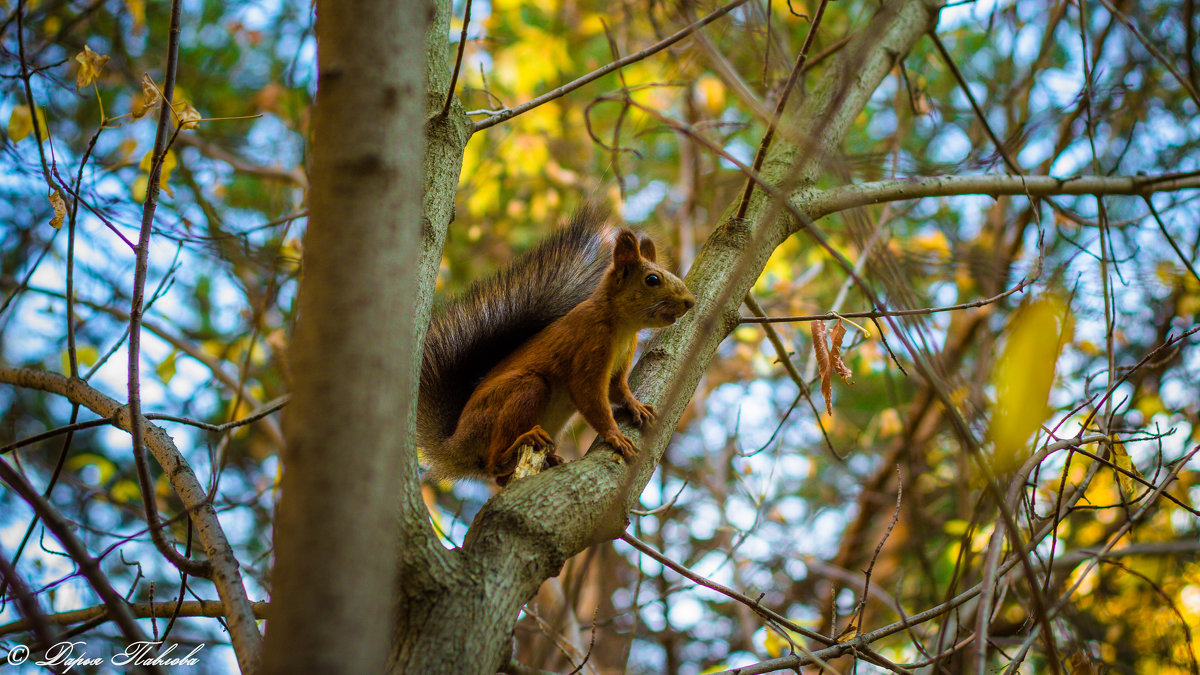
(60,208)
(20,123)
(930,243)
(1121,459)
(711,92)
(955,527)
(748,334)
(1023,376)
(166,369)
(216,348)
(137,12)
(125,150)
(104,465)
(1150,405)
(774,644)
(162,486)
(168,165)
(125,491)
(889,423)
(850,631)
(138,189)
(86,355)
(90,64)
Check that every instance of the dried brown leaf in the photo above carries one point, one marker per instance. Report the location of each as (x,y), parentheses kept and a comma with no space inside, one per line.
(835,352)
(149,99)
(823,363)
(60,208)
(189,117)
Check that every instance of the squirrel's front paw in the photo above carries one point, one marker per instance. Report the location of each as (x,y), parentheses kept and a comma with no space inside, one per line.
(621,444)
(642,413)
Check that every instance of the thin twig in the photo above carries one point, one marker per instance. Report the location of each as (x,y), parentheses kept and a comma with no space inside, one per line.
(38,134)
(193,567)
(862,604)
(1170,240)
(793,77)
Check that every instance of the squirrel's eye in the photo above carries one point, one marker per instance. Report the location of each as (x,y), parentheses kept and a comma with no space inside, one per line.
(653,280)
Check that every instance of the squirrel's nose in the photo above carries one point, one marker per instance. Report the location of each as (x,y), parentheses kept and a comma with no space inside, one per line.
(689,302)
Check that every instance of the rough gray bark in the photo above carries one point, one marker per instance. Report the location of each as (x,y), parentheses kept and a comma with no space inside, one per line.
(456,609)
(344,463)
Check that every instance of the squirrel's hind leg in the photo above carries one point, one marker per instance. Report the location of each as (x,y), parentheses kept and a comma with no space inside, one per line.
(536,438)
(516,424)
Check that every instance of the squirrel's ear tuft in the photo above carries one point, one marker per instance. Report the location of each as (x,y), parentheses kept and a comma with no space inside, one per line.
(647,248)
(626,249)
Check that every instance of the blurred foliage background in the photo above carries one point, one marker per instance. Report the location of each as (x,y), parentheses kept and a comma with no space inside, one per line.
(763,491)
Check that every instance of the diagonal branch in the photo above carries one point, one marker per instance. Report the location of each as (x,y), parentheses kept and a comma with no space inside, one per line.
(226,575)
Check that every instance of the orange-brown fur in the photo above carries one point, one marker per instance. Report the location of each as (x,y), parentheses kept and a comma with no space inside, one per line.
(580,361)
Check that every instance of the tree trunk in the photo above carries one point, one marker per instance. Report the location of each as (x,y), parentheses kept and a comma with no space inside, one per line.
(345,460)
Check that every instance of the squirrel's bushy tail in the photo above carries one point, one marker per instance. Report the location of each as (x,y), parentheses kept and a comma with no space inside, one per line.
(496,315)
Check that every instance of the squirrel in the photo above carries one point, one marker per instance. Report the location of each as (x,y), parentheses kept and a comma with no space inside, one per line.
(507,362)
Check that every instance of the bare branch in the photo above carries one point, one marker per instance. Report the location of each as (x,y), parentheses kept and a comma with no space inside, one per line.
(462,47)
(838,199)
(141,610)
